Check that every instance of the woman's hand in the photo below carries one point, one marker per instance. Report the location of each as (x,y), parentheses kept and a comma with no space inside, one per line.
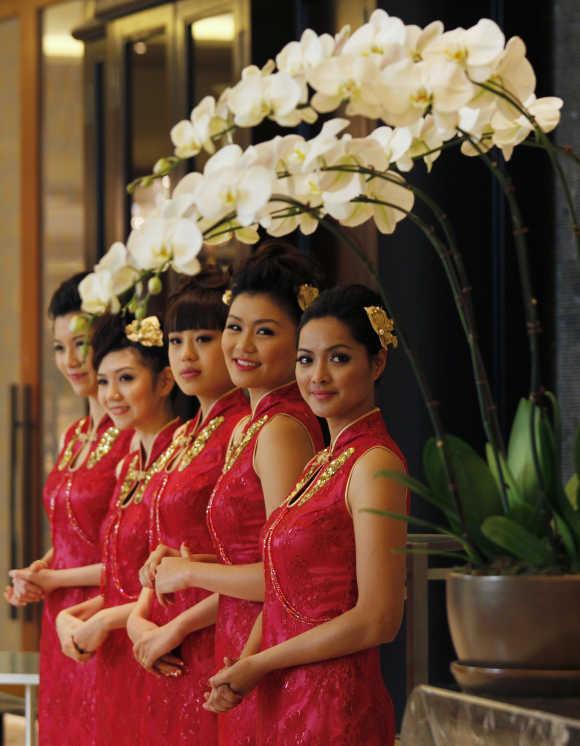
(137,626)
(66,626)
(25,588)
(43,578)
(91,634)
(237,679)
(147,572)
(173,574)
(153,651)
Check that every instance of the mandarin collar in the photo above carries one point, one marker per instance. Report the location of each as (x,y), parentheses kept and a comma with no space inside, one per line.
(351,431)
(274,396)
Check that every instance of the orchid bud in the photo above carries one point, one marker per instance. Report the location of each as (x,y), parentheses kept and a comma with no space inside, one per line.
(154,286)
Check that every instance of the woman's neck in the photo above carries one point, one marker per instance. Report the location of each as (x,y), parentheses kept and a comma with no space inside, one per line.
(256,395)
(147,432)
(337,424)
(96,412)
(207,402)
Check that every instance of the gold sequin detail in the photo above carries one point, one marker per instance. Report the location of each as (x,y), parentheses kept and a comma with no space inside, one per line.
(200,442)
(235,451)
(78,437)
(324,477)
(136,481)
(103,446)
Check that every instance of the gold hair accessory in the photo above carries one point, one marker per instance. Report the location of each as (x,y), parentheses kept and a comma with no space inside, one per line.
(146,332)
(227,298)
(307,294)
(382,325)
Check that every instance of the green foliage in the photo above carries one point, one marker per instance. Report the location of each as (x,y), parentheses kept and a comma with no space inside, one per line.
(539,531)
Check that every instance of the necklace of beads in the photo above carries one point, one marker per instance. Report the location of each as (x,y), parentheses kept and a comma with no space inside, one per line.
(235,451)
(80,437)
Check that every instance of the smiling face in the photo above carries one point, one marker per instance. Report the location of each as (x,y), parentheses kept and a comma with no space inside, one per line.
(130,392)
(334,372)
(259,343)
(73,357)
(197,363)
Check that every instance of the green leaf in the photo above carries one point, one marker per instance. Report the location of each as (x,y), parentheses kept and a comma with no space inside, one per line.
(514,497)
(518,541)
(572,490)
(476,486)
(520,457)
(423,491)
(567,539)
(577,451)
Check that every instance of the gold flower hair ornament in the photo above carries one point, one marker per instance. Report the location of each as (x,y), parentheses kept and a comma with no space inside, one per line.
(227,297)
(146,332)
(306,296)
(382,325)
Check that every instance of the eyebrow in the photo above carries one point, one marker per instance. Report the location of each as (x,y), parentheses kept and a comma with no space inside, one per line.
(118,370)
(328,349)
(257,321)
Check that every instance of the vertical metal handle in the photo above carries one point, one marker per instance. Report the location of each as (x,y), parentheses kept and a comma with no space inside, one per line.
(27,497)
(13,482)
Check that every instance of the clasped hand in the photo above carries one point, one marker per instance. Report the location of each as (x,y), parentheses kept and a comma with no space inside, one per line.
(29,584)
(232,683)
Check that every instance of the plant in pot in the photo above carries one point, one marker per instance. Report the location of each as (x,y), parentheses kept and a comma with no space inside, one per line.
(517,528)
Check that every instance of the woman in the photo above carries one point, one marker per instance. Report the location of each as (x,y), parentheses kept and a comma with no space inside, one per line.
(267,454)
(172,706)
(76,498)
(334,572)
(135,384)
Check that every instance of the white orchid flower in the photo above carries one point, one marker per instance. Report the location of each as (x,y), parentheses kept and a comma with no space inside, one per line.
(348,78)
(117,263)
(514,74)
(298,155)
(382,39)
(477,49)
(258,96)
(399,201)
(298,57)
(97,295)
(477,124)
(394,143)
(411,89)
(163,241)
(192,135)
(508,133)
(417,39)
(234,183)
(425,139)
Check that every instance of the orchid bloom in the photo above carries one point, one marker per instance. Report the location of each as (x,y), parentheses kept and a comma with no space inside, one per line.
(97,295)
(161,242)
(260,95)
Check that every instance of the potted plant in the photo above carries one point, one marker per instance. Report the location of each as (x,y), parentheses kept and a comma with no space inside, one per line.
(517,527)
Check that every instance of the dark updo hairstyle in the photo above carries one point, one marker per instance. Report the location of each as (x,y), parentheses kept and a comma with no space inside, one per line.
(109,336)
(347,304)
(66,298)
(277,269)
(197,302)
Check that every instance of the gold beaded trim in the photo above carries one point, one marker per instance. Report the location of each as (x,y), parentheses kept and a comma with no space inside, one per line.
(68,452)
(235,451)
(200,442)
(103,446)
(138,481)
(324,477)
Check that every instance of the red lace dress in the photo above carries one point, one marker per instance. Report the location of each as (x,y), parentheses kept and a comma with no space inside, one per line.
(119,685)
(173,711)
(310,570)
(236,516)
(76,498)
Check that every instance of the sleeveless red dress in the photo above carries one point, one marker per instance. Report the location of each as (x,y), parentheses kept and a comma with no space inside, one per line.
(76,499)
(310,571)
(173,712)
(125,549)
(236,515)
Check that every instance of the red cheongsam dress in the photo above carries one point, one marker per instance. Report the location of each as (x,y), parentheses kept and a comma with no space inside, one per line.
(119,706)
(310,570)
(173,706)
(236,515)
(76,500)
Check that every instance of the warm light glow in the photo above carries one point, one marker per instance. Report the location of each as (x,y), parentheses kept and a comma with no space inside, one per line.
(215,28)
(61,45)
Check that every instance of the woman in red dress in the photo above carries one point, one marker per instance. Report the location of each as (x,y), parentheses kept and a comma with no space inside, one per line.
(334,578)
(172,706)
(135,383)
(267,454)
(76,498)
